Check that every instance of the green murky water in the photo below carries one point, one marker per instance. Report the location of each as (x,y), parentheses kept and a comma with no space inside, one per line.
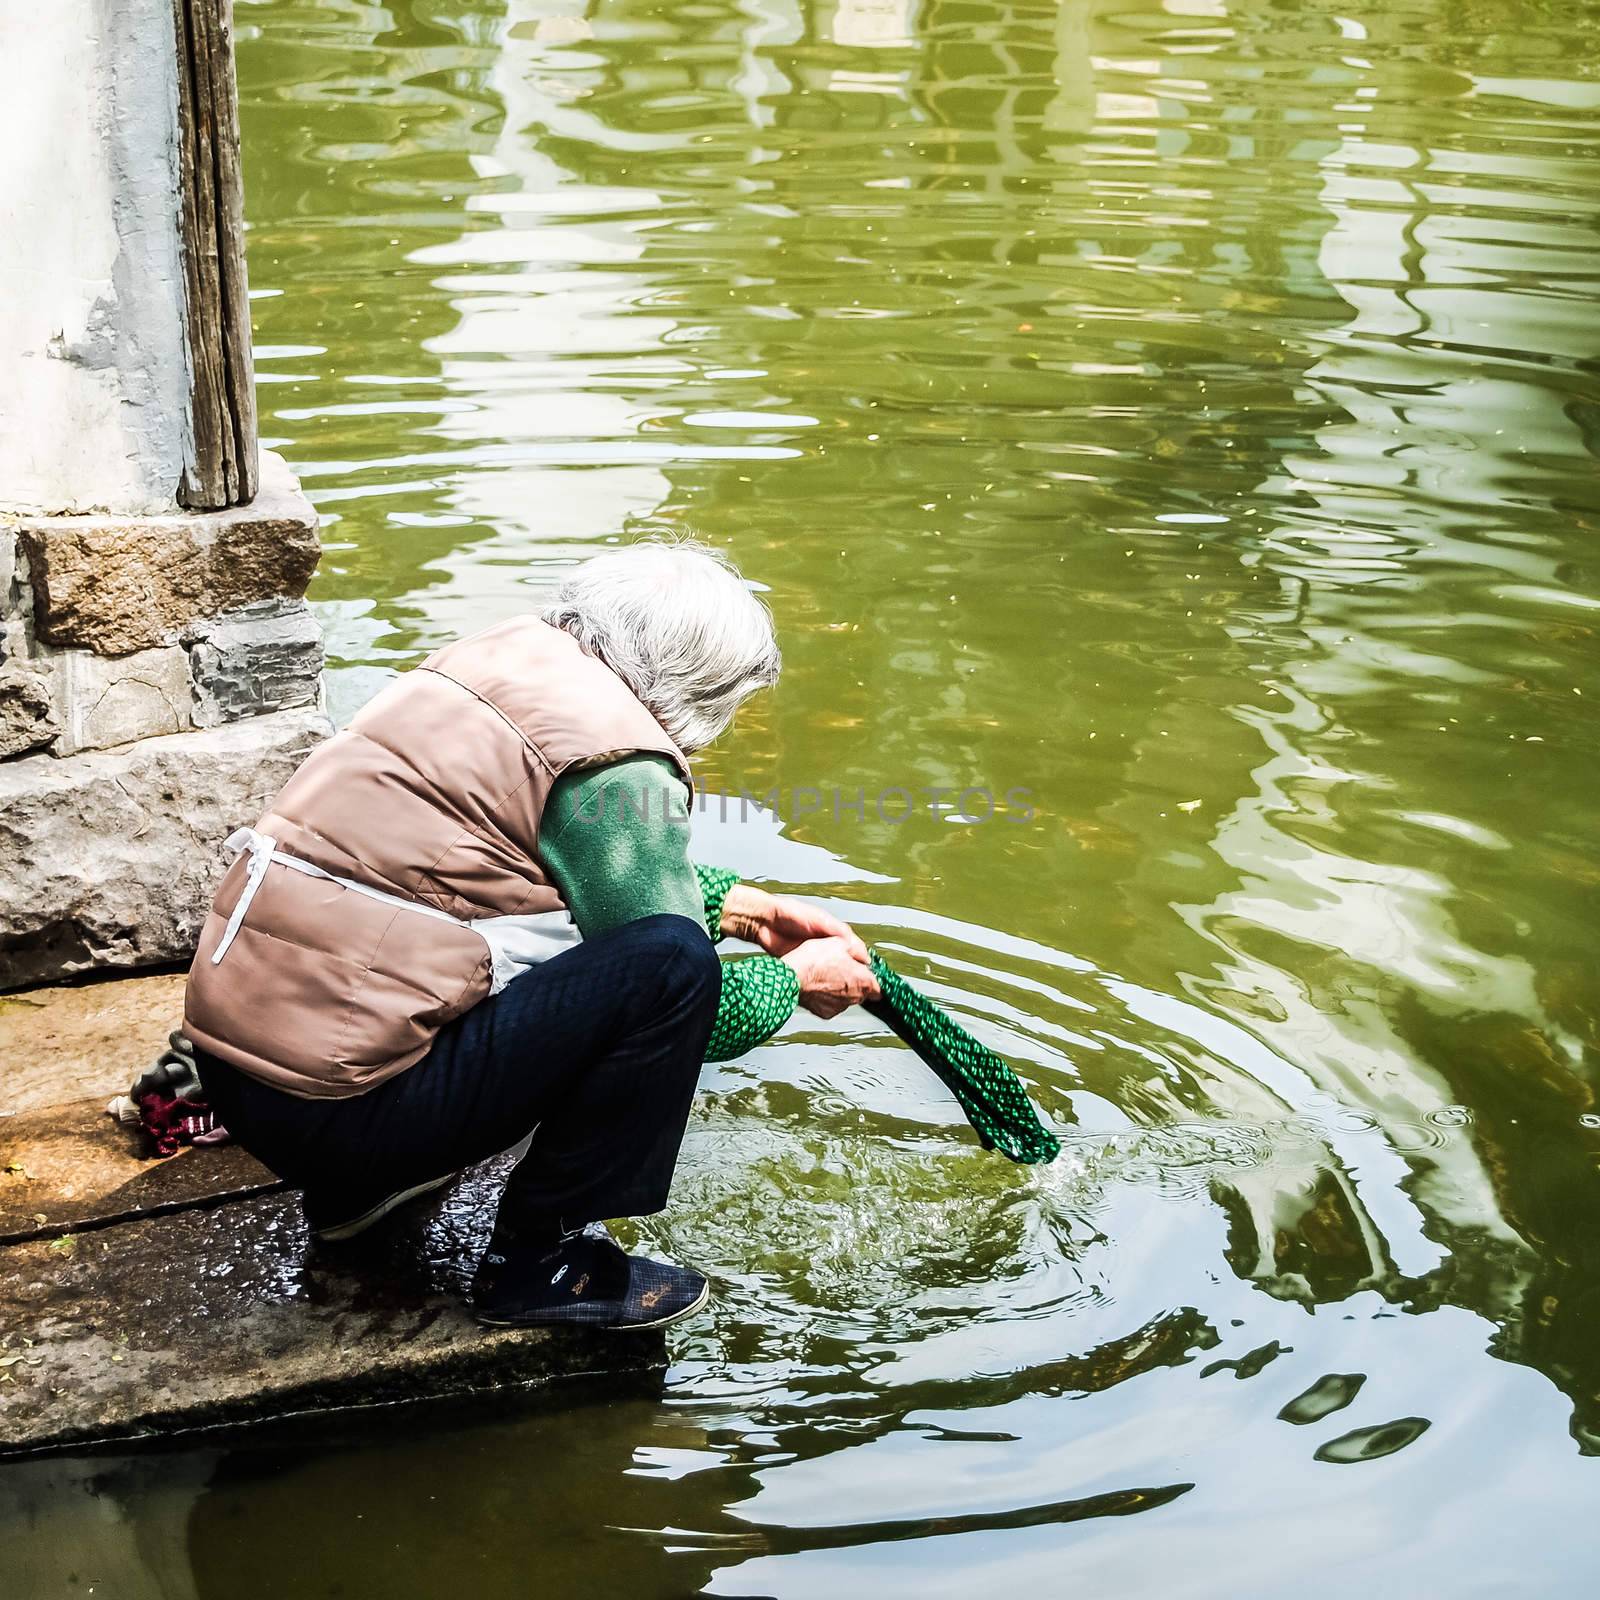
(1186,413)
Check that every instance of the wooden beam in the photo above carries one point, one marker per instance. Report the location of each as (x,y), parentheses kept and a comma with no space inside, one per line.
(223,471)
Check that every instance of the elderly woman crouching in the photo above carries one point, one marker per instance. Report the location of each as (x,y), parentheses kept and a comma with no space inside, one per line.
(471,918)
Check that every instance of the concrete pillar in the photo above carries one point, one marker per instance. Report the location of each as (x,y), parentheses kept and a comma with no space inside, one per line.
(160,675)
(124,329)
(92,318)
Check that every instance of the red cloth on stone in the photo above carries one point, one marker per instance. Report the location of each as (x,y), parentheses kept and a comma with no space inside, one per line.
(169,1122)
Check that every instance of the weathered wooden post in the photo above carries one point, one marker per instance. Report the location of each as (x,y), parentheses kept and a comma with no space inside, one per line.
(222,391)
(159,670)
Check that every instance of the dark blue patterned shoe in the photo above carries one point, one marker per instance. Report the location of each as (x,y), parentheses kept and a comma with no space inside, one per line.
(586,1280)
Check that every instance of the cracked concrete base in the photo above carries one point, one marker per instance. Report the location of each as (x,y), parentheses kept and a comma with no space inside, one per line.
(110,700)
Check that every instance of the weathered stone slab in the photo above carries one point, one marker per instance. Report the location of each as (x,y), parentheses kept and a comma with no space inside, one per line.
(116,584)
(229,1315)
(264,658)
(110,700)
(83,1039)
(28,718)
(110,858)
(70,1167)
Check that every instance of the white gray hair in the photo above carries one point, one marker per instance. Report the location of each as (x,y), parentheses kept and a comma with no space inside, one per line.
(675,621)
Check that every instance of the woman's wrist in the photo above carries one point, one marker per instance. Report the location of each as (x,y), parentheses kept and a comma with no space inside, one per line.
(745,911)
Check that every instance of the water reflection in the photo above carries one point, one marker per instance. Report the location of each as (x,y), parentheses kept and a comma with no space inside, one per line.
(1185,411)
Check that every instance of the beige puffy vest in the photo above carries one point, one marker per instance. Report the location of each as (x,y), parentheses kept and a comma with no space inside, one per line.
(430,799)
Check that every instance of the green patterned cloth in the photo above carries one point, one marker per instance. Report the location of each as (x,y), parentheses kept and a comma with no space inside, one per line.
(989,1092)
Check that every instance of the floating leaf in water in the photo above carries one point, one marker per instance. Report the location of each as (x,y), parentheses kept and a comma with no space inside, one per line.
(1374,1443)
(1330,1393)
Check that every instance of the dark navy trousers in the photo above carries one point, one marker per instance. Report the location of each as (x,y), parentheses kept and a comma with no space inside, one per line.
(595,1052)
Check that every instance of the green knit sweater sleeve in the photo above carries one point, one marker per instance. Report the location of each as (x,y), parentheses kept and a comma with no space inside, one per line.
(615,842)
(715,882)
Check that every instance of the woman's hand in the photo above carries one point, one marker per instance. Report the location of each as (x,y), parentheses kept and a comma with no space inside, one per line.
(780,925)
(831,977)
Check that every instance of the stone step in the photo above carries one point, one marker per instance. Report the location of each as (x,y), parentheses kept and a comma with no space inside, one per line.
(142,1299)
(78,1039)
(70,1168)
(227,1315)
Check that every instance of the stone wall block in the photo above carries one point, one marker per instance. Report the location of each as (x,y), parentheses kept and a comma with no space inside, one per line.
(28,718)
(264,658)
(111,700)
(10,578)
(16,598)
(110,858)
(115,585)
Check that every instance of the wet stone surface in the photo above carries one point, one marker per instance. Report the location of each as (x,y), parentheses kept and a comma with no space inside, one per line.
(230,1315)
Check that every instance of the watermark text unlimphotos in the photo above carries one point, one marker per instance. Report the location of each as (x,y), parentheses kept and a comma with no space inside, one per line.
(894,804)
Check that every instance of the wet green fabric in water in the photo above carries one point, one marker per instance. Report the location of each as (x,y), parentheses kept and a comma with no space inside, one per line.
(990,1094)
